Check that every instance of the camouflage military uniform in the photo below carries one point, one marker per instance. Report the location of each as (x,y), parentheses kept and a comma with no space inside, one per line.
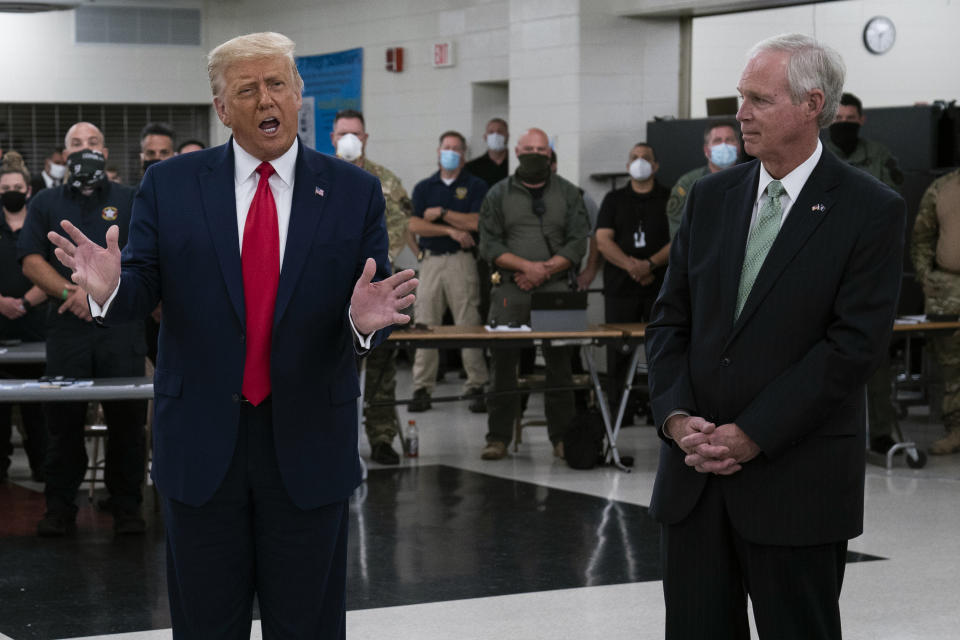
(678,197)
(936,259)
(382,422)
(874,158)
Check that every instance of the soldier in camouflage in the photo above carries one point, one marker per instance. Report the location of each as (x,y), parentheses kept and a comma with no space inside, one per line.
(846,143)
(875,159)
(721,146)
(935,250)
(349,138)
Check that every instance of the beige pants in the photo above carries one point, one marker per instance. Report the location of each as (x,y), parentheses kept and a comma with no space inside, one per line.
(448,281)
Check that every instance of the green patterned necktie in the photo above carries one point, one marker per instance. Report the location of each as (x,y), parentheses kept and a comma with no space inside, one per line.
(759,242)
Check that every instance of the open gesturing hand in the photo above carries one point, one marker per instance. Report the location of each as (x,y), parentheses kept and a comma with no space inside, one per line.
(95,269)
(375,305)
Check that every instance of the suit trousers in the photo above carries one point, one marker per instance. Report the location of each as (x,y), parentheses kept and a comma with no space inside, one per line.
(709,570)
(250,538)
(448,281)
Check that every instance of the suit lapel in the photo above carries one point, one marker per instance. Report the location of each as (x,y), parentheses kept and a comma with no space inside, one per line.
(813,205)
(736,209)
(310,194)
(220,207)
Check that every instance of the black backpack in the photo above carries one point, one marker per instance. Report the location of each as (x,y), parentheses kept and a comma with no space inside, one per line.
(583,440)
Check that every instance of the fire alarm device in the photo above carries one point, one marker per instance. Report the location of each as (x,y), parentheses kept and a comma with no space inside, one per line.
(395,59)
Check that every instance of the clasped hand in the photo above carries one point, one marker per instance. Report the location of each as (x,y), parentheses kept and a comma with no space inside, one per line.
(711,449)
(532,276)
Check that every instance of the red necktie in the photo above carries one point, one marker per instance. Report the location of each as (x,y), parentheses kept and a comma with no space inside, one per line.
(260,259)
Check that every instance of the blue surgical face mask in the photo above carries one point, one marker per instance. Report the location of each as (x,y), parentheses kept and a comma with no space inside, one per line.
(449,159)
(723,155)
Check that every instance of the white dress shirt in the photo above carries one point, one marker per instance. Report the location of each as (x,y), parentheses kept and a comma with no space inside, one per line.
(245,180)
(792,184)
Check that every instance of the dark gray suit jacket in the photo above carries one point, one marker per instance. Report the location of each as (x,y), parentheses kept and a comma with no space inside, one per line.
(791,370)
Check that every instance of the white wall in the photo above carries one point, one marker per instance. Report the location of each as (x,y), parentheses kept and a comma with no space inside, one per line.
(43,64)
(923,64)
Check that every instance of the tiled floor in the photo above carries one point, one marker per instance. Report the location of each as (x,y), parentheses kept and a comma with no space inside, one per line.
(449,546)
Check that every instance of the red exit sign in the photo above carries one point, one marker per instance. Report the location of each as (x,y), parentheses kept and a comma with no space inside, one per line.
(443,54)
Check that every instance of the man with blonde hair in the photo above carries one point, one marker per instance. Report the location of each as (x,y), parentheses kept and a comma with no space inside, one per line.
(777,306)
(263,253)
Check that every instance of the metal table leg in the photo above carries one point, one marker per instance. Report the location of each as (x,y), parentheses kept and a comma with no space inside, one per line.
(612,455)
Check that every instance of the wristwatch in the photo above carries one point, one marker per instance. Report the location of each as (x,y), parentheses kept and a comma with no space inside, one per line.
(443,212)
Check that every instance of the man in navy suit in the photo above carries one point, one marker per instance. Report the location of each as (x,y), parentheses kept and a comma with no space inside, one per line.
(777,306)
(263,253)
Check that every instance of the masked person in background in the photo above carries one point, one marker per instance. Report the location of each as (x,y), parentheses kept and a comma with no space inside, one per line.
(633,236)
(875,159)
(491,167)
(53,172)
(349,139)
(22,316)
(721,146)
(77,348)
(868,155)
(156,145)
(445,217)
(533,230)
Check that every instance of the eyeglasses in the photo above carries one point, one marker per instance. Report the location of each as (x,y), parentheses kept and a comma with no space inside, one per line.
(539,207)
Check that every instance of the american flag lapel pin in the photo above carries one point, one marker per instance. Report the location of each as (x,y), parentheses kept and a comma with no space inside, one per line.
(819,208)
(318,191)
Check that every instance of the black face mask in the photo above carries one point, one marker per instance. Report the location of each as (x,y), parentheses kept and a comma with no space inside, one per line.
(13,201)
(845,135)
(534,168)
(86,168)
(149,163)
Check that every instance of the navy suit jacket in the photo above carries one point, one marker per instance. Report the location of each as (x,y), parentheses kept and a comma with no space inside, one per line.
(184,251)
(790,371)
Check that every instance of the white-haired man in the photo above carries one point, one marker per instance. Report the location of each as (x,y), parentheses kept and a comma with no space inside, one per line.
(777,306)
(255,429)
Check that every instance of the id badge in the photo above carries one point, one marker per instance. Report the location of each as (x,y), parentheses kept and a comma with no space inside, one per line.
(639,239)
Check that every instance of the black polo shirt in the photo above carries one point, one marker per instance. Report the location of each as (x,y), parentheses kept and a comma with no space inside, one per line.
(640,229)
(13,284)
(488,170)
(109,204)
(464,195)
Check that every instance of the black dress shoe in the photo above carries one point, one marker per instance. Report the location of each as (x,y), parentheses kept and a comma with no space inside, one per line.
(383,453)
(883,444)
(56,524)
(478,402)
(128,522)
(420,402)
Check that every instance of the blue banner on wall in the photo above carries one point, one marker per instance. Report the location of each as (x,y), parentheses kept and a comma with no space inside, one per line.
(331,82)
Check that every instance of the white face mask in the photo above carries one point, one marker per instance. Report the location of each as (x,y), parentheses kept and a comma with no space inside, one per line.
(496,142)
(640,169)
(349,147)
(57,171)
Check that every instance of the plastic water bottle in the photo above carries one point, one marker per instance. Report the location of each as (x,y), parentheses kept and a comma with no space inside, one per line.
(412,440)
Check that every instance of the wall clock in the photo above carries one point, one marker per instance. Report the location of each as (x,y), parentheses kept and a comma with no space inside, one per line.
(879,34)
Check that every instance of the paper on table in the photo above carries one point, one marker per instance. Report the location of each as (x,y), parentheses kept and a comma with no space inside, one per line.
(910,319)
(505,328)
